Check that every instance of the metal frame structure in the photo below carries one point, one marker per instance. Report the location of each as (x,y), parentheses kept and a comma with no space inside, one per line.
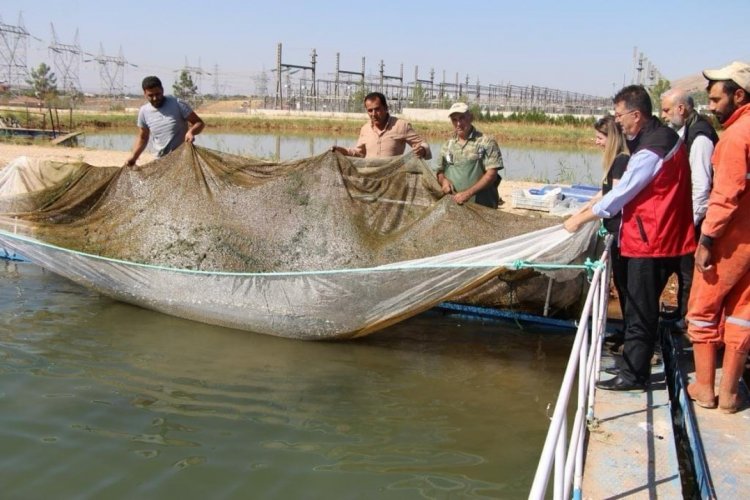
(195,70)
(13,54)
(645,71)
(111,72)
(492,98)
(337,82)
(283,67)
(66,61)
(327,94)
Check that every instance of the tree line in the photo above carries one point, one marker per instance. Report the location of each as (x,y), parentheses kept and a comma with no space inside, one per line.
(42,85)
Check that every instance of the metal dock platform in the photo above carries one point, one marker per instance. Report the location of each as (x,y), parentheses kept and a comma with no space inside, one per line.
(631,448)
(718,442)
(658,444)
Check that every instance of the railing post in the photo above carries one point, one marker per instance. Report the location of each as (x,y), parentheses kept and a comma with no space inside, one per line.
(586,350)
(545,464)
(560,462)
(583,385)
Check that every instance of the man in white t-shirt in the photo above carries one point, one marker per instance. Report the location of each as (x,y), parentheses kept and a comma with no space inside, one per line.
(167,120)
(678,111)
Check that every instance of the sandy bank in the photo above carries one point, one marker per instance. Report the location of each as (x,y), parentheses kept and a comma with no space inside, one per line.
(98,157)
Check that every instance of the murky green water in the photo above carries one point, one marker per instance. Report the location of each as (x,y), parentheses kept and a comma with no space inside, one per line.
(100,399)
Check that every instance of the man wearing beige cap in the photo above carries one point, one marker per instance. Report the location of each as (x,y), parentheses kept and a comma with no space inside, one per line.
(719,307)
(469,162)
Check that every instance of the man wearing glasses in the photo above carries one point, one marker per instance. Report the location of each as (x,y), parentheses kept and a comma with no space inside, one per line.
(654,196)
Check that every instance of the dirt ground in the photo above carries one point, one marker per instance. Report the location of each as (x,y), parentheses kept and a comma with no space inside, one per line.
(669,296)
(97,157)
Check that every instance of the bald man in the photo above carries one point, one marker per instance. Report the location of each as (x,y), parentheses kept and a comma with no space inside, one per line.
(678,112)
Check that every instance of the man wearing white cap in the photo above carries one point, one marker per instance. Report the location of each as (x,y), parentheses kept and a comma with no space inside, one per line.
(469,162)
(719,307)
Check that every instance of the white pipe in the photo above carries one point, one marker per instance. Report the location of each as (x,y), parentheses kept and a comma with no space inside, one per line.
(578,422)
(541,476)
(594,310)
(560,475)
(583,379)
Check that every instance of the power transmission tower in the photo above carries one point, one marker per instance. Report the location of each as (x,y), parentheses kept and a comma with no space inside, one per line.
(396,95)
(13,54)
(197,71)
(645,71)
(217,88)
(637,67)
(112,72)
(261,84)
(67,60)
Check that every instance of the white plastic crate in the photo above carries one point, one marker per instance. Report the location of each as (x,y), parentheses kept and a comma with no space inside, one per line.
(523,198)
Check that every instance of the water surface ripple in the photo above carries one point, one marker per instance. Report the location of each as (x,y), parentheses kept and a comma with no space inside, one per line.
(102,399)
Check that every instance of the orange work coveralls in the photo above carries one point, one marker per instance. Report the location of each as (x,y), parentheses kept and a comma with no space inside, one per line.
(722,294)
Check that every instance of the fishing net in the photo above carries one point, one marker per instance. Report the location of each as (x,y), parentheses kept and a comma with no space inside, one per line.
(27,175)
(324,247)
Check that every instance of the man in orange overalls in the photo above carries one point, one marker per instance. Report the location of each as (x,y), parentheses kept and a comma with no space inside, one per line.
(719,308)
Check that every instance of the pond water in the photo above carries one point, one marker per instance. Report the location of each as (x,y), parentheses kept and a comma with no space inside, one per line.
(100,399)
(568,166)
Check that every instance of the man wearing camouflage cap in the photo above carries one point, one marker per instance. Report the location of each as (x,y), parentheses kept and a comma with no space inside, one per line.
(469,162)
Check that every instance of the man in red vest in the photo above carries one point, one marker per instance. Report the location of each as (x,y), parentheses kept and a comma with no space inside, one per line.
(719,307)
(654,196)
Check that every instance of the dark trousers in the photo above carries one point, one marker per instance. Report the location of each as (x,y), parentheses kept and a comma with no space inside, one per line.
(646,280)
(685,277)
(489,196)
(620,276)
(684,282)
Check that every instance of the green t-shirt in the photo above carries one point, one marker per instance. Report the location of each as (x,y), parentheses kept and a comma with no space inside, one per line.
(465,164)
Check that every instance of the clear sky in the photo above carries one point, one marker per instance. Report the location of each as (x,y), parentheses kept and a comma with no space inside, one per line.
(582,46)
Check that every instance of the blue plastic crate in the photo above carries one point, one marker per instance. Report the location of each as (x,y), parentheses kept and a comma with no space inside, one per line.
(579,192)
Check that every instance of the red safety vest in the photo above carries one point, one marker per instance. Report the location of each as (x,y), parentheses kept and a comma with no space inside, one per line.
(658,222)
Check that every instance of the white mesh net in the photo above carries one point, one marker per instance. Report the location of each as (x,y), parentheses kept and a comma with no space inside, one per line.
(320,248)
